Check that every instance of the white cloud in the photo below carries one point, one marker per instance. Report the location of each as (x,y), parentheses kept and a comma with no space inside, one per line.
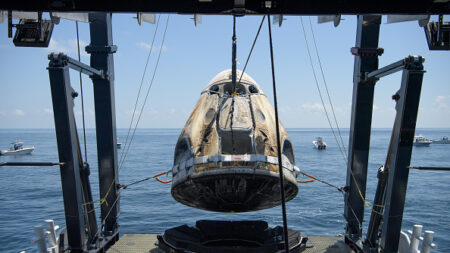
(442,102)
(67,46)
(19,112)
(55,46)
(149,46)
(311,107)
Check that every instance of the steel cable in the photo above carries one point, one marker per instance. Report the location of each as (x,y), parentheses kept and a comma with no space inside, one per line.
(140,88)
(82,99)
(326,86)
(277,124)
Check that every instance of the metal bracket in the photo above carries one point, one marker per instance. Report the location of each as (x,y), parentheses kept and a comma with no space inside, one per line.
(411,62)
(357,51)
(60,59)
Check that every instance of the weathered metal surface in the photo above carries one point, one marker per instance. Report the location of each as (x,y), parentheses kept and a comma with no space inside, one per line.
(236,125)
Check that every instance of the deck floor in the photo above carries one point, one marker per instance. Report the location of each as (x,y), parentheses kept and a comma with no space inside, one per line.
(140,243)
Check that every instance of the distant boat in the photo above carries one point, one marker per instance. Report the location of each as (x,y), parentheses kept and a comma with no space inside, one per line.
(17,149)
(444,140)
(319,143)
(421,141)
(119,145)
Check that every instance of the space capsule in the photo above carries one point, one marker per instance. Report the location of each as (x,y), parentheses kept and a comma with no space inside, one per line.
(226,157)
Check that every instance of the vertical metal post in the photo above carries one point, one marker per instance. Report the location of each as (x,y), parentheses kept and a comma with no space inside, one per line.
(408,98)
(101,50)
(62,97)
(366,60)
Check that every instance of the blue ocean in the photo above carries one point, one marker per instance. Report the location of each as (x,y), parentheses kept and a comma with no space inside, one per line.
(31,195)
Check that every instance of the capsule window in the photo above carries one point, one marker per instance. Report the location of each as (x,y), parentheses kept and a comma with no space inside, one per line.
(252,89)
(214,89)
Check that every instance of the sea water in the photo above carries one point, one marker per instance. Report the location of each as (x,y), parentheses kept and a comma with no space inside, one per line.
(31,195)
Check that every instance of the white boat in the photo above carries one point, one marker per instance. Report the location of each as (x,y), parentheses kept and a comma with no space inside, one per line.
(119,145)
(17,149)
(421,141)
(319,143)
(444,140)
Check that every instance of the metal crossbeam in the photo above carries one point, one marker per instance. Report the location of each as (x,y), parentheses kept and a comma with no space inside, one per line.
(76,65)
(290,7)
(387,70)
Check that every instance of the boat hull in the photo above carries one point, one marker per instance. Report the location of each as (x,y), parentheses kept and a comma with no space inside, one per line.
(24,151)
(422,144)
(233,190)
(319,146)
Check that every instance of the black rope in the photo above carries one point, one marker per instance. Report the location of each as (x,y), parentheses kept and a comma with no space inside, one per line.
(82,100)
(233,56)
(125,186)
(277,124)
(431,168)
(251,50)
(29,164)
(233,82)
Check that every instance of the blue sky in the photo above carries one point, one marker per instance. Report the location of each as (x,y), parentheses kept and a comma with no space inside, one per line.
(193,55)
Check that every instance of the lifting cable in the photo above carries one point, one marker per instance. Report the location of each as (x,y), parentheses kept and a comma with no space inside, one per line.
(341,189)
(326,86)
(146,95)
(320,93)
(251,50)
(233,82)
(277,124)
(82,100)
(123,187)
(341,149)
(111,186)
(140,88)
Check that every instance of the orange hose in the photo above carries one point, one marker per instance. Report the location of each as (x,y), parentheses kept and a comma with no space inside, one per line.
(160,180)
(163,181)
(309,176)
(306,181)
(160,174)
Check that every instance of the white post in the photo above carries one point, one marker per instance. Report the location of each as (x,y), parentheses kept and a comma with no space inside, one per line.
(51,232)
(415,239)
(40,239)
(427,242)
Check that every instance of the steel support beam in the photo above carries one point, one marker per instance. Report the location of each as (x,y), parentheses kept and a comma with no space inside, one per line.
(288,7)
(66,135)
(408,98)
(366,53)
(101,49)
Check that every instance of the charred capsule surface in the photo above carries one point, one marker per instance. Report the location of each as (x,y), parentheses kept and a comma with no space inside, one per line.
(226,156)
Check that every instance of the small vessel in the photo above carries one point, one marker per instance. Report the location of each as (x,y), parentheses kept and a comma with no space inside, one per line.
(17,149)
(421,141)
(444,140)
(119,145)
(319,143)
